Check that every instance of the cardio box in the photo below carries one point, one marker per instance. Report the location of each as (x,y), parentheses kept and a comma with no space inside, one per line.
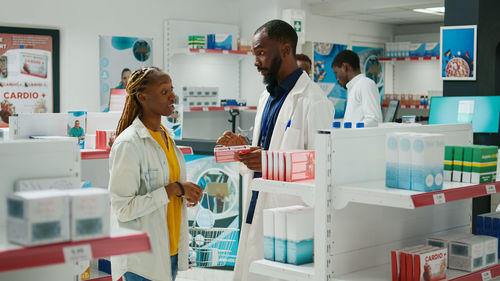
(468,254)
(300,236)
(38,217)
(225,154)
(104,139)
(430,265)
(299,165)
(90,209)
(398,264)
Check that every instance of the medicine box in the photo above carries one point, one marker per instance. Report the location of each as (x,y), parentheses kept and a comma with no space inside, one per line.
(300,235)
(104,139)
(404,160)
(468,254)
(90,209)
(398,262)
(280,228)
(269,237)
(270,165)
(458,156)
(276,167)
(264,164)
(448,162)
(281,165)
(427,153)
(392,160)
(430,265)
(467,164)
(38,217)
(225,154)
(484,164)
(299,165)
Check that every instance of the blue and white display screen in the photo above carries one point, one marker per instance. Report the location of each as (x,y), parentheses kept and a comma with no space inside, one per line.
(482,111)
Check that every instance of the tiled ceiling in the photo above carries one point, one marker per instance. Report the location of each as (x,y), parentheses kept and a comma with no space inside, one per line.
(379,11)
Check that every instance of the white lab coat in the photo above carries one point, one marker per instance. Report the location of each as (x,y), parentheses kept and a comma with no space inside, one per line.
(363,102)
(307,109)
(139,171)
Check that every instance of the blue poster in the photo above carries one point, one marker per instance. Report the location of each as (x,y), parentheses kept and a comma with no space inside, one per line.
(118,58)
(324,53)
(371,66)
(458,52)
(214,223)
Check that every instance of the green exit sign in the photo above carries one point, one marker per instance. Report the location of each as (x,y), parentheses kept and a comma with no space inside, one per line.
(297,25)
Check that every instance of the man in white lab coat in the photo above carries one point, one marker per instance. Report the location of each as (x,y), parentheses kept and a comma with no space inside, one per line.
(289,113)
(363,98)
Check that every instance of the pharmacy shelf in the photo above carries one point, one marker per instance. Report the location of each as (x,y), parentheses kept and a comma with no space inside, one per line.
(429,58)
(89,154)
(410,106)
(376,193)
(122,241)
(192,51)
(383,273)
(304,189)
(219,108)
(283,271)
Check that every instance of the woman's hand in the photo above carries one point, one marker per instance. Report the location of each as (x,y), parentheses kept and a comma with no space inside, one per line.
(192,192)
(231,139)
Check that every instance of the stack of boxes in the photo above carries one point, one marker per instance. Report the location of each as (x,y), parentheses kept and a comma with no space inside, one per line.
(489,224)
(291,165)
(471,164)
(414,161)
(200,96)
(196,41)
(289,234)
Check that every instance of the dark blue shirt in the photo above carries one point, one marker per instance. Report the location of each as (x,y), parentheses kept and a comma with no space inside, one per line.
(278,94)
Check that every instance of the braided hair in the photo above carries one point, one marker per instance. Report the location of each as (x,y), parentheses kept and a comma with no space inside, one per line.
(136,84)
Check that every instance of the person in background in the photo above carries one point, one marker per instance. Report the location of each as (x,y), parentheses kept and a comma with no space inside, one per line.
(304,62)
(124,79)
(77,131)
(289,113)
(147,184)
(363,98)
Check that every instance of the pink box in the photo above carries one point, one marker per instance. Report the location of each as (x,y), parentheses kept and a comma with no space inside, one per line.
(264,164)
(104,139)
(430,265)
(225,154)
(299,165)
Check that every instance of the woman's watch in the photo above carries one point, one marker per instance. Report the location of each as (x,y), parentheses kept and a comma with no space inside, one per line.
(181,187)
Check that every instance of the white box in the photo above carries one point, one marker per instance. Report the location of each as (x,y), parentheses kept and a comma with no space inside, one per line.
(38,217)
(47,183)
(443,241)
(280,247)
(270,165)
(276,166)
(90,212)
(281,165)
(404,160)
(4,134)
(23,125)
(468,254)
(299,165)
(300,236)
(391,160)
(427,158)
(268,223)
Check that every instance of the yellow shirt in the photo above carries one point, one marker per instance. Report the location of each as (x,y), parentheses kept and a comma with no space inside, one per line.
(174,207)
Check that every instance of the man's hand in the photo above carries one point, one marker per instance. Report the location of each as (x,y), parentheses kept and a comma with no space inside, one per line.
(253,159)
(231,139)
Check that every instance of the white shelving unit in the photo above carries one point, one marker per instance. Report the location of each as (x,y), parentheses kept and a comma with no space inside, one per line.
(358,221)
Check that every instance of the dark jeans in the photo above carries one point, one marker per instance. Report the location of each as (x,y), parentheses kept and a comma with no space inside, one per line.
(129,276)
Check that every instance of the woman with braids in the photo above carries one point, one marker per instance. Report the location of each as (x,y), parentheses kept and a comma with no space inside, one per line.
(147,182)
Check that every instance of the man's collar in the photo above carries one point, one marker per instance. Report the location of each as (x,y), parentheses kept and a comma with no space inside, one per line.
(353,80)
(286,85)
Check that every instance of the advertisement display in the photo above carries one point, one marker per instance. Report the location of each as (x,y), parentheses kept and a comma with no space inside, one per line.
(29,66)
(458,52)
(118,58)
(214,222)
(174,121)
(371,66)
(324,53)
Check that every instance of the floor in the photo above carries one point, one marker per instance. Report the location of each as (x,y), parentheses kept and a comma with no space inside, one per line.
(204,274)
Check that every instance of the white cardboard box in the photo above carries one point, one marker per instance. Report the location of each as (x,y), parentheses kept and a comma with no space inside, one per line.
(38,217)
(469,254)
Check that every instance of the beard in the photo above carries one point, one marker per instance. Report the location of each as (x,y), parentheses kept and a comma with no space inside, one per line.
(272,74)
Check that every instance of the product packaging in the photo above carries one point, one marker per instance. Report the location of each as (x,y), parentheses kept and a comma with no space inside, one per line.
(46,183)
(90,211)
(38,217)
(280,242)
(391,160)
(430,265)
(281,165)
(276,166)
(468,254)
(225,154)
(268,229)
(398,262)
(220,41)
(299,165)
(467,164)
(264,164)
(458,157)
(404,160)
(484,164)
(427,162)
(300,235)
(104,139)
(448,162)
(270,166)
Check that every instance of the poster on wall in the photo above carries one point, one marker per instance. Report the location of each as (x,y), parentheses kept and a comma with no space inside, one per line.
(324,53)
(118,58)
(174,122)
(371,66)
(214,222)
(458,52)
(29,71)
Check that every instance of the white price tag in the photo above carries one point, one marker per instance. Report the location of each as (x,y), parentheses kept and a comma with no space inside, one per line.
(77,253)
(202,51)
(439,198)
(486,275)
(490,189)
(225,52)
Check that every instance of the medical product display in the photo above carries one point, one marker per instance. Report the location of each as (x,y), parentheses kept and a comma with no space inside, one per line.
(200,96)
(292,165)
(475,163)
(225,154)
